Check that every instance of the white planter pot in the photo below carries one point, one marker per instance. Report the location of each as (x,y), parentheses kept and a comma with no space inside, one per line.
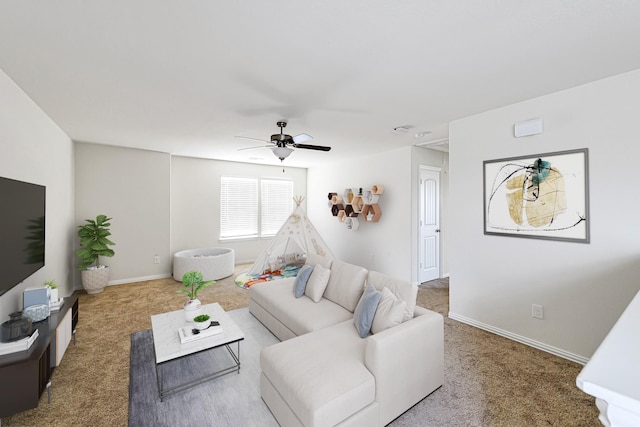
(95,280)
(202,325)
(192,308)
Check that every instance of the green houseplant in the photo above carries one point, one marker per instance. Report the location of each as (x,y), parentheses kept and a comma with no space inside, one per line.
(193,283)
(94,243)
(53,290)
(202,321)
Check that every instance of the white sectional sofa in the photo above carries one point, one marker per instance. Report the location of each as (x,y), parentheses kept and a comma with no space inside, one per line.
(323,373)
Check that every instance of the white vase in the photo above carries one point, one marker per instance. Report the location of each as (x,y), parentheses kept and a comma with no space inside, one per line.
(192,308)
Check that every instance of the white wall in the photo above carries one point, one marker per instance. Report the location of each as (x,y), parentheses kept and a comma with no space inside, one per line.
(34,149)
(583,287)
(388,245)
(159,204)
(195,202)
(132,187)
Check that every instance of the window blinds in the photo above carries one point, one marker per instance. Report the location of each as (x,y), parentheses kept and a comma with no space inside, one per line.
(247,213)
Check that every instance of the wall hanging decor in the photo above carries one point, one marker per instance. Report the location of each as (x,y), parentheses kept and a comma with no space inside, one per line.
(355,205)
(542,196)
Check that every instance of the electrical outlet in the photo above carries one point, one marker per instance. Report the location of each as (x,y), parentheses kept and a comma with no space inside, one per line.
(156,259)
(537,311)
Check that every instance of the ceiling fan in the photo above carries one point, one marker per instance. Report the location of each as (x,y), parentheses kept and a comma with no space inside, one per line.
(282,142)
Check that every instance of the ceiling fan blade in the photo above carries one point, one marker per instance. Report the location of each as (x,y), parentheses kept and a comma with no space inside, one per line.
(255,139)
(312,147)
(253,148)
(302,138)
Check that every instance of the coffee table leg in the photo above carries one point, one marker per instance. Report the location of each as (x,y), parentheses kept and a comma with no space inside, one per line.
(164,393)
(159,382)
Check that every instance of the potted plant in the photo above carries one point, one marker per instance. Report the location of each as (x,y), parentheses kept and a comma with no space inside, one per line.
(53,290)
(94,243)
(193,283)
(202,321)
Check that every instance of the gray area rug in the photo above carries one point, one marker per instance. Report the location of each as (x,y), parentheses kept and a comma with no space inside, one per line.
(234,399)
(231,400)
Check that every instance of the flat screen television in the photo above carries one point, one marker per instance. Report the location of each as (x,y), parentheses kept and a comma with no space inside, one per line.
(22,220)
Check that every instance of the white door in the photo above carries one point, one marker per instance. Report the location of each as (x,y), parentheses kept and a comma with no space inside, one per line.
(429,225)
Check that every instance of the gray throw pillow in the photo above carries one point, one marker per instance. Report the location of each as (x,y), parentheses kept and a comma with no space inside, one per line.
(366,310)
(301,280)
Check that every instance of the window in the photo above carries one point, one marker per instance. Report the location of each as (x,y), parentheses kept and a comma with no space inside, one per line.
(246,212)
(238,208)
(277,204)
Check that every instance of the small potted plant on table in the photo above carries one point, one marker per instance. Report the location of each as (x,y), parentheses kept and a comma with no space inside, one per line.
(202,321)
(53,291)
(193,283)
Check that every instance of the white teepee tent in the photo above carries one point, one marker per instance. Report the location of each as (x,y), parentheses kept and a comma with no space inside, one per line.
(296,238)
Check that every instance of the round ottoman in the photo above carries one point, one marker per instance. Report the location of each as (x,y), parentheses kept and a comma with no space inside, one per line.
(213,263)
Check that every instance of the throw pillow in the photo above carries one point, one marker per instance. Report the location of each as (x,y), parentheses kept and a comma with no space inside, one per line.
(302,278)
(365,310)
(317,282)
(390,312)
(404,291)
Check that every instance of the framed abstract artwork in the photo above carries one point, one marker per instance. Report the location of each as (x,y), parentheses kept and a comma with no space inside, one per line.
(542,196)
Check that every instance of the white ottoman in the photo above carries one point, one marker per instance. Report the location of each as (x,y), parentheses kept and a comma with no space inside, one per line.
(213,263)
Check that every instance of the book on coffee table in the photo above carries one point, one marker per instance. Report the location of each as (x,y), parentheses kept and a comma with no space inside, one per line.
(187,335)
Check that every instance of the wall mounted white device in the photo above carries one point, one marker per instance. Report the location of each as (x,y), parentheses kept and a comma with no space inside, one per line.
(527,128)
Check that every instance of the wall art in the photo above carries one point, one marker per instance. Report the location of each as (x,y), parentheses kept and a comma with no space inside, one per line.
(542,196)
(354,203)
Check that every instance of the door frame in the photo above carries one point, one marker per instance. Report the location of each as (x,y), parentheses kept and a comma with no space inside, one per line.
(421,168)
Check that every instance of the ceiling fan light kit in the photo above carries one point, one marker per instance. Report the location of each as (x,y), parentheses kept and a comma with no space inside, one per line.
(284,144)
(282,152)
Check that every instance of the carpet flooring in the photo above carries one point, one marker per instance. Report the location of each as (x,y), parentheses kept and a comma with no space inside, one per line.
(489,380)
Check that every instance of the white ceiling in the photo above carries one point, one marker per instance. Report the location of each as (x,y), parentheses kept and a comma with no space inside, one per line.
(186,77)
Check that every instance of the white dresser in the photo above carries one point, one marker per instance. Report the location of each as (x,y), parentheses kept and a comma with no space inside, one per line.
(612,375)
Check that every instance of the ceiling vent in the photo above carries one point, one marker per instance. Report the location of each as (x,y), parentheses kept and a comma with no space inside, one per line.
(401,130)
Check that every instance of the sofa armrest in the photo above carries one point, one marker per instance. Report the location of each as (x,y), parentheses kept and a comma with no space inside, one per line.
(407,362)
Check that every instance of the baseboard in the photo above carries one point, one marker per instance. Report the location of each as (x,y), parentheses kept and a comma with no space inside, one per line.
(139,279)
(519,338)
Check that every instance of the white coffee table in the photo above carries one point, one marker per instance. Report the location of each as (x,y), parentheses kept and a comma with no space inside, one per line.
(167,345)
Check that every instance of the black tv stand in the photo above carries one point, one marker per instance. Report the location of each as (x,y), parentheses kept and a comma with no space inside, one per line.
(26,374)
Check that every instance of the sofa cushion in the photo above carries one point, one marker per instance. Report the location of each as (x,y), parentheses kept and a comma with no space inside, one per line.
(404,291)
(299,315)
(321,376)
(346,284)
(301,280)
(390,312)
(366,310)
(317,282)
